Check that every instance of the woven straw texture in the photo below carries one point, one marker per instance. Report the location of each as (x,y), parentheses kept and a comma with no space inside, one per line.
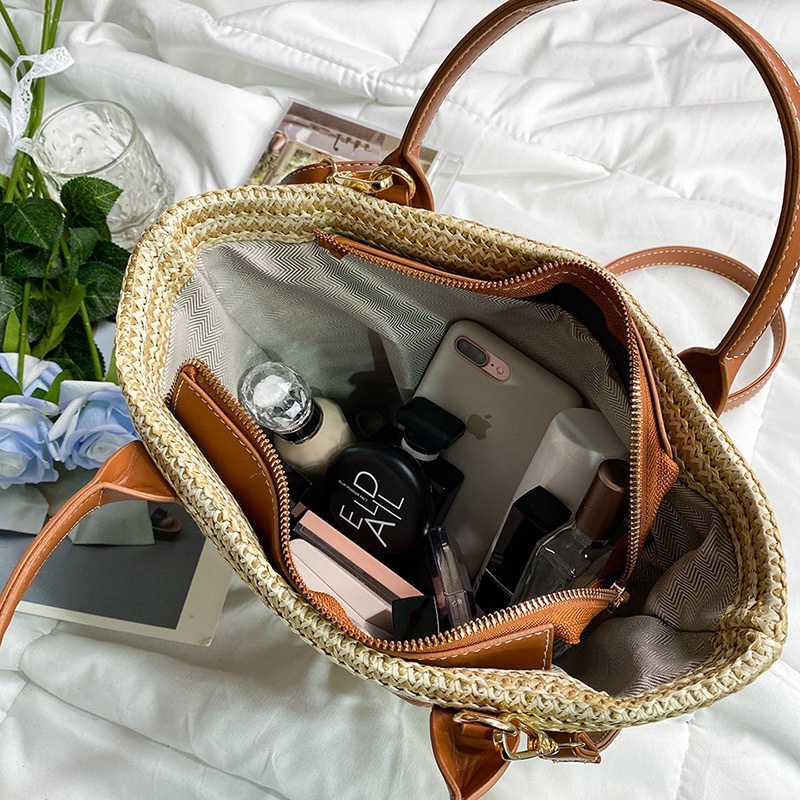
(752,629)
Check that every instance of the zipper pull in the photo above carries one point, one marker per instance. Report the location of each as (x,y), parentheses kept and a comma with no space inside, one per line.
(331,243)
(622,597)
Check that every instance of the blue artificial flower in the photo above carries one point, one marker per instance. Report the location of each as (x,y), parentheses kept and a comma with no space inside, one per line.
(38,373)
(26,452)
(93,425)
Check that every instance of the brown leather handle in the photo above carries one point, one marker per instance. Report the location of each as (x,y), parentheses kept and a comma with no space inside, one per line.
(129,474)
(712,368)
(728,268)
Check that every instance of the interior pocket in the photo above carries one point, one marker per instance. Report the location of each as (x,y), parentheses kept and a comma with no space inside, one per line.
(685,579)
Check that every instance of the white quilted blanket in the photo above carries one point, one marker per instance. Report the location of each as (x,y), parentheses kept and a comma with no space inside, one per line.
(604,126)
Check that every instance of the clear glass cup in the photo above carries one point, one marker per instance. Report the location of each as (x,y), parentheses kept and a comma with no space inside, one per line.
(100,138)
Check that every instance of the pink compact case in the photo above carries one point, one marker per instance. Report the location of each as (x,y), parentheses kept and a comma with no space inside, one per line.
(329,562)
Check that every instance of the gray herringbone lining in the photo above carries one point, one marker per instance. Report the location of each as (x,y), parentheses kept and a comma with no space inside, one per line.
(684,580)
(364,335)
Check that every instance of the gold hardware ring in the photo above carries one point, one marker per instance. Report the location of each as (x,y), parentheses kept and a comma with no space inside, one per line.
(372,181)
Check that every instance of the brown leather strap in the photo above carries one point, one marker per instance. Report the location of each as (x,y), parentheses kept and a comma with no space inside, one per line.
(712,368)
(129,474)
(471,762)
(466,754)
(728,268)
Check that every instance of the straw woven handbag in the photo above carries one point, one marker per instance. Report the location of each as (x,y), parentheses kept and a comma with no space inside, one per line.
(350,273)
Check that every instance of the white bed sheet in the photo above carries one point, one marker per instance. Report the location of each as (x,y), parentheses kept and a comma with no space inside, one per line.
(604,126)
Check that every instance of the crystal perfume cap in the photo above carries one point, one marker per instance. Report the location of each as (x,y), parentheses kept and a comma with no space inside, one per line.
(280,400)
(604,502)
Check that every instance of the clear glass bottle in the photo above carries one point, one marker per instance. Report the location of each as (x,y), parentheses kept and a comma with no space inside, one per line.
(561,558)
(309,431)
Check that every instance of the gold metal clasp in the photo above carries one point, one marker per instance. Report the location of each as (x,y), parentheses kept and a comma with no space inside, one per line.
(515,738)
(525,743)
(370,181)
(476,718)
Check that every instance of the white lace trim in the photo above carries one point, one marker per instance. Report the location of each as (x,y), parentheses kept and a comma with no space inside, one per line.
(50,63)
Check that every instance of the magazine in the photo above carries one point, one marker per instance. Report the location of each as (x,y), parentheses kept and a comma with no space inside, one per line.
(172,587)
(306,135)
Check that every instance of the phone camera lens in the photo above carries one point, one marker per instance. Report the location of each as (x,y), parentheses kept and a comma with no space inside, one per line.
(471,351)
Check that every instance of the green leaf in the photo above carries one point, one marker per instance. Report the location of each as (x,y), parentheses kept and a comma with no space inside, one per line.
(103,230)
(82,243)
(37,222)
(57,266)
(25,262)
(103,285)
(6,210)
(74,370)
(11,324)
(11,336)
(63,308)
(38,313)
(8,385)
(88,200)
(10,298)
(111,374)
(73,354)
(54,391)
(111,254)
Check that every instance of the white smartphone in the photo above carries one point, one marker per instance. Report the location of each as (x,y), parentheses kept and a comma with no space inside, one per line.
(507,401)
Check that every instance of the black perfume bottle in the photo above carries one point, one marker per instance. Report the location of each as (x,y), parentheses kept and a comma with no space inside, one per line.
(531,518)
(427,430)
(384,494)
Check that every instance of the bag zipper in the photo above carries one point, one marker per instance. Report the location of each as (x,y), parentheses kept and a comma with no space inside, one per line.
(255,433)
(504,622)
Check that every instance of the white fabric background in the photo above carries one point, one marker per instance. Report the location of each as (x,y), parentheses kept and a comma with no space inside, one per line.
(603,126)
